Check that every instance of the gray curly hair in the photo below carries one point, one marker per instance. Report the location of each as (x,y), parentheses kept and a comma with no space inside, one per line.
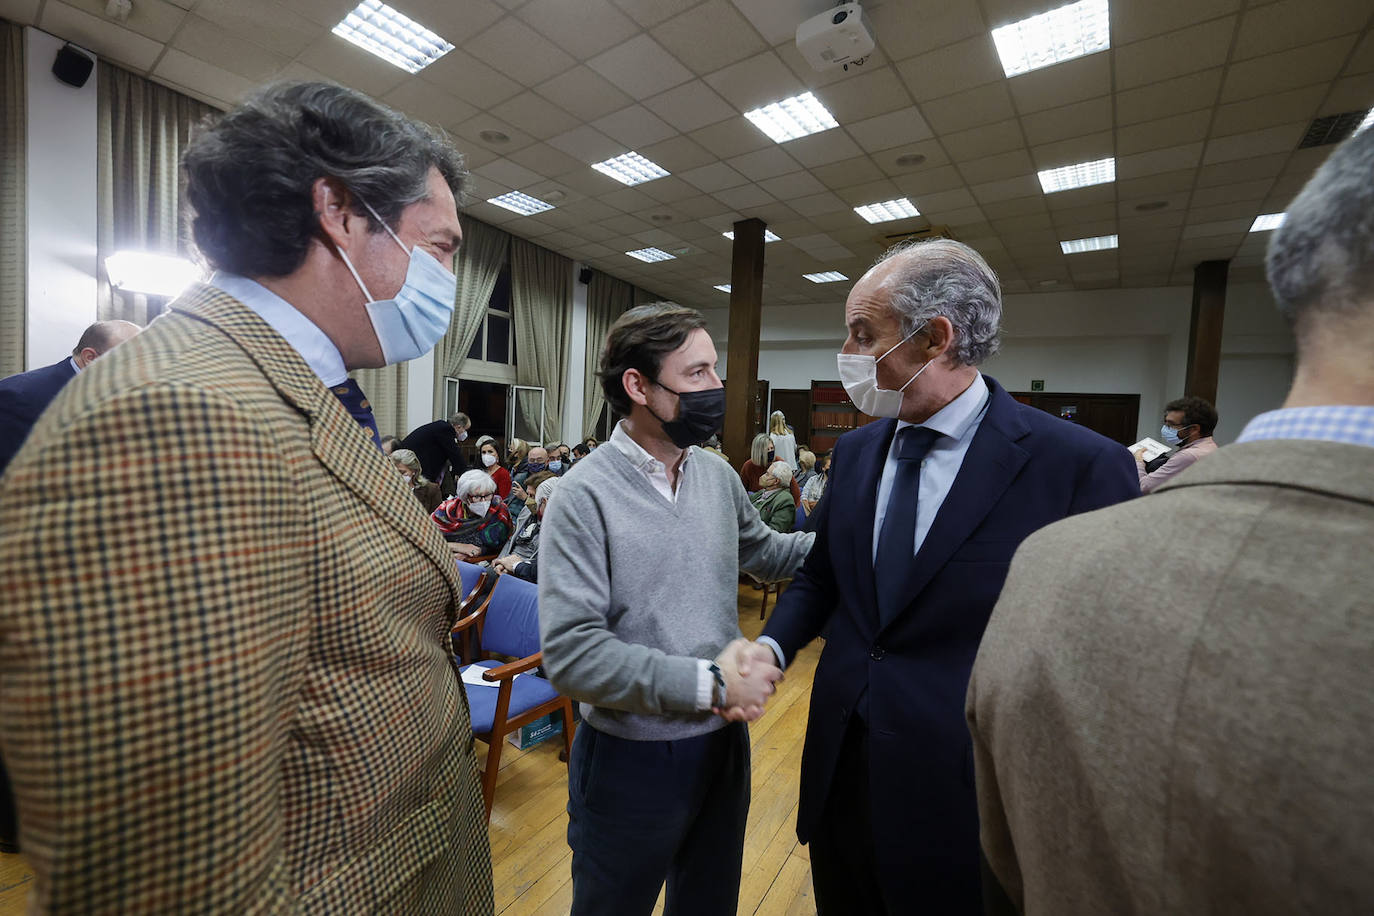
(945,277)
(250,173)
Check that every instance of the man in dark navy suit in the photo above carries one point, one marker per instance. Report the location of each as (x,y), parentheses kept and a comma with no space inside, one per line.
(23,397)
(915,533)
(436,444)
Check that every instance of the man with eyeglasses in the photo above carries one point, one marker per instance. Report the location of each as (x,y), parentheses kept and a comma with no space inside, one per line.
(1188,426)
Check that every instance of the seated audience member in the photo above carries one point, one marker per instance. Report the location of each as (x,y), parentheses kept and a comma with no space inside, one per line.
(490,456)
(516,454)
(815,487)
(390,444)
(580,451)
(784,442)
(1171,706)
(590,442)
(774,499)
(522,553)
(521,501)
(565,455)
(557,463)
(426,491)
(806,467)
(25,396)
(437,444)
(538,460)
(760,457)
(1188,425)
(474,521)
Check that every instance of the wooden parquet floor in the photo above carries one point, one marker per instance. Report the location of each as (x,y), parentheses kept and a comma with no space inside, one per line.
(529,850)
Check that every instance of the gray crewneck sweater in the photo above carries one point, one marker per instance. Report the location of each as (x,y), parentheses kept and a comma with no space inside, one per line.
(633,589)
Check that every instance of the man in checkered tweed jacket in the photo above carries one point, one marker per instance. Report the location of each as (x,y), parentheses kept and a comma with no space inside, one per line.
(224,658)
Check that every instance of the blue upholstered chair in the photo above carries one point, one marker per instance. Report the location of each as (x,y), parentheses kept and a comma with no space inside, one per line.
(509,618)
(801,518)
(477,581)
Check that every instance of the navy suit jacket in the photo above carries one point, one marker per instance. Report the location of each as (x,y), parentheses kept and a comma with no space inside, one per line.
(1023,470)
(436,443)
(23,398)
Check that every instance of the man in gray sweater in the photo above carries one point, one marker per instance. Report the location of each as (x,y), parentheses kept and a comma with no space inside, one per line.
(640,559)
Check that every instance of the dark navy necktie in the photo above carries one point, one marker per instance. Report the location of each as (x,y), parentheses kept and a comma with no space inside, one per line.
(355,402)
(897,539)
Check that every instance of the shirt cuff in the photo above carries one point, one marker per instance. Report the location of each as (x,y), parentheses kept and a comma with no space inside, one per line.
(772,643)
(706,685)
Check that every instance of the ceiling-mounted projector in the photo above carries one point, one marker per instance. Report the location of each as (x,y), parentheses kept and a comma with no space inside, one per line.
(836,38)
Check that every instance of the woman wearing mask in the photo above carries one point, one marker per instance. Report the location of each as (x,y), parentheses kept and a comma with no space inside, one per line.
(474,521)
(515,460)
(784,443)
(774,500)
(408,465)
(760,457)
(490,456)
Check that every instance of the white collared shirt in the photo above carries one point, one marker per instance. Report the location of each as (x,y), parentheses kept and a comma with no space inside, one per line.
(300,332)
(655,471)
(958,421)
(75,367)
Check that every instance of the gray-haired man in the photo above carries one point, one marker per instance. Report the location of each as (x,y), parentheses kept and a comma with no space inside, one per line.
(914,536)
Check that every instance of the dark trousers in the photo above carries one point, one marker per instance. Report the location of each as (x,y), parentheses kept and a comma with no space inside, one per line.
(844,868)
(642,812)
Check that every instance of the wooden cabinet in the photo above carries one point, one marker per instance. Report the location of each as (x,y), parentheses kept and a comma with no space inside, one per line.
(832,415)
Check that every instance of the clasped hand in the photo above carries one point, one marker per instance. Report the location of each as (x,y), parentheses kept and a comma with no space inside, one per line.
(751,676)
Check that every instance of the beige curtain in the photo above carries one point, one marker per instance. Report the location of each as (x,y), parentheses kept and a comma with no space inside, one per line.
(480,258)
(607,299)
(541,304)
(386,392)
(13,232)
(143,129)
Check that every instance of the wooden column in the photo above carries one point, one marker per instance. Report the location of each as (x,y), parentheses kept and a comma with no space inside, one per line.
(1204,333)
(746,321)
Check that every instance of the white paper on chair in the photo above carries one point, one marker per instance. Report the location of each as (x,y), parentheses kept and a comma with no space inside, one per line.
(472,674)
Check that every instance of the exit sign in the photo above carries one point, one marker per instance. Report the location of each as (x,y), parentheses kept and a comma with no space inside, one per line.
(1037,384)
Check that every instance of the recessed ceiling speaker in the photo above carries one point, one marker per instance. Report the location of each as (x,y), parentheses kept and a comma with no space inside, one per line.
(71,66)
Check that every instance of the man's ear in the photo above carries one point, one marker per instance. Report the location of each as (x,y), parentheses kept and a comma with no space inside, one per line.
(636,386)
(939,333)
(334,209)
(86,356)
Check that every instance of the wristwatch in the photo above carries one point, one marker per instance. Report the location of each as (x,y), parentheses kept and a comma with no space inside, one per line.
(718,694)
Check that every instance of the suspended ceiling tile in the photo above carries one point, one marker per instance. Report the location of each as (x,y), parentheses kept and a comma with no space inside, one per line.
(535,115)
(1068,121)
(1169,97)
(1132,22)
(519,52)
(467,77)
(677,154)
(756,81)
(732,137)
(1072,81)
(1174,54)
(709,37)
(1286,69)
(1174,131)
(945,71)
(1292,23)
(634,126)
(640,67)
(823,148)
(764,163)
(896,128)
(583,29)
(984,105)
(124,45)
(583,93)
(1254,143)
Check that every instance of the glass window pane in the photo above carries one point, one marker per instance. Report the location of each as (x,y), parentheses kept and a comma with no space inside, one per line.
(475,351)
(529,412)
(498,339)
(450,396)
(500,294)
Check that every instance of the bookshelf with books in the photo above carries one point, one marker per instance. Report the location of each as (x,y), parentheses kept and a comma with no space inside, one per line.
(832,415)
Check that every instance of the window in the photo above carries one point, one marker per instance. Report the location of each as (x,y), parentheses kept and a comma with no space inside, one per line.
(450,396)
(495,339)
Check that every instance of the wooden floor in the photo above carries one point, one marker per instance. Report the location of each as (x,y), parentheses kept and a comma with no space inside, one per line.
(529,823)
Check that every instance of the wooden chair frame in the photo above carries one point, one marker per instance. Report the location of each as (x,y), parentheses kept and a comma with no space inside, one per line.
(500,725)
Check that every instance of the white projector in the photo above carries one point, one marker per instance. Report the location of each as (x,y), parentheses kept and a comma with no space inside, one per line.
(835,38)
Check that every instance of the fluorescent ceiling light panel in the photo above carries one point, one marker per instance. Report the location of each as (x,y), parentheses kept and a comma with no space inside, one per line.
(630,168)
(799,116)
(1267,221)
(1054,37)
(826,276)
(150,273)
(888,210)
(1081,175)
(392,36)
(724,287)
(651,255)
(520,203)
(1078,246)
(768,236)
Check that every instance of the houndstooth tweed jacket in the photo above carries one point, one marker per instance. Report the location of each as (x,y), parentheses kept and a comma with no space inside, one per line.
(225,671)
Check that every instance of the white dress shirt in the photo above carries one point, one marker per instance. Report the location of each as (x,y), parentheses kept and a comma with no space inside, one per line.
(958,421)
(300,332)
(655,471)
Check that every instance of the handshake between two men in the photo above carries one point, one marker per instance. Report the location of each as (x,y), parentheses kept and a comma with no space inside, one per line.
(751,676)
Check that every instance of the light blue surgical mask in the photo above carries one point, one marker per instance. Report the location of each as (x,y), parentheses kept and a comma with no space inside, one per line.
(555,465)
(410,323)
(1170,436)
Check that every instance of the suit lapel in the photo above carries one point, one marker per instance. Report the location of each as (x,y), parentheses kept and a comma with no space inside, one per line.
(992,462)
(337,440)
(868,470)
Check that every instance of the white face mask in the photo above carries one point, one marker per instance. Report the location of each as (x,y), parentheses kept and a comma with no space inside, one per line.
(859,375)
(488,459)
(479,509)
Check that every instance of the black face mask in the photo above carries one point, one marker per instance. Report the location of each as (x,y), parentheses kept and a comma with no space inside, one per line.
(700,413)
